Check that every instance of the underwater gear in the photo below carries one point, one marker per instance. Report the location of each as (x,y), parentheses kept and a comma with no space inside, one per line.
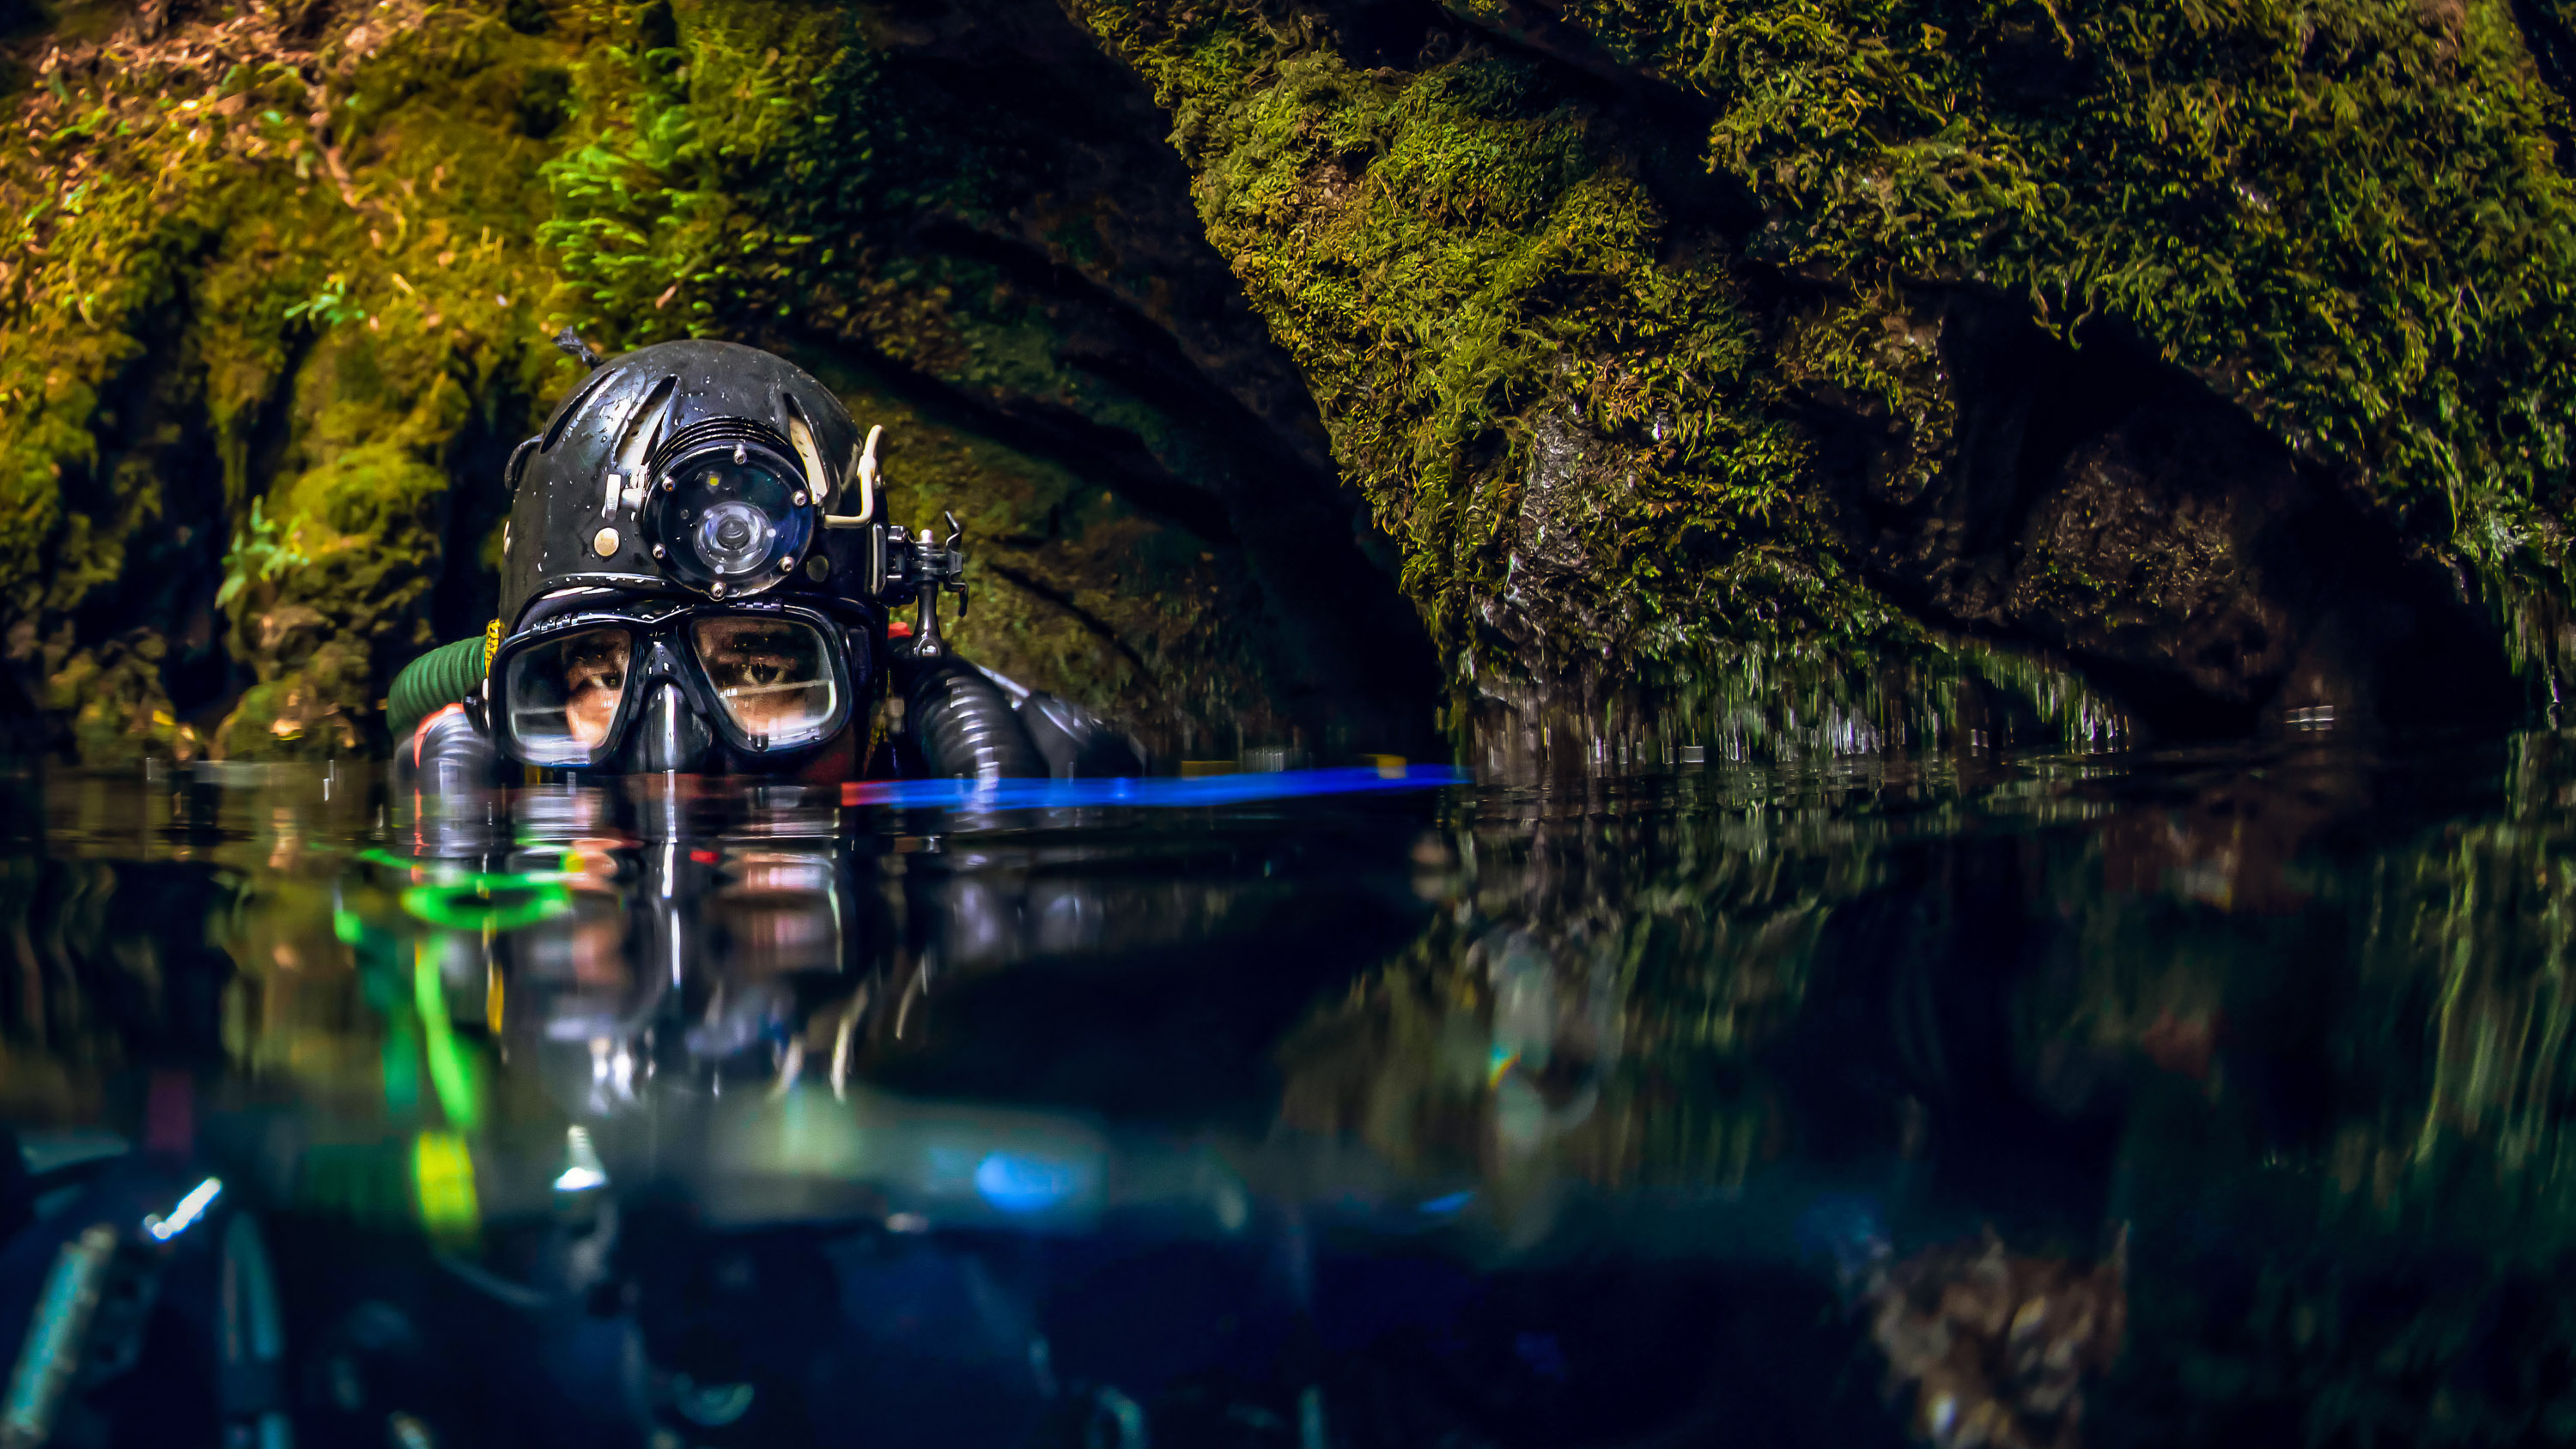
(1073,742)
(900,564)
(731,516)
(710,468)
(770,678)
(437,679)
(144,1311)
(676,596)
(707,468)
(964,726)
(698,466)
(446,781)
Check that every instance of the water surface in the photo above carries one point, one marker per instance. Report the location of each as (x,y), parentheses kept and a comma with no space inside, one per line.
(2103,1099)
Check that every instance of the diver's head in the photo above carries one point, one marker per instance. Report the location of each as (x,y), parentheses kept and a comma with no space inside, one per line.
(672,595)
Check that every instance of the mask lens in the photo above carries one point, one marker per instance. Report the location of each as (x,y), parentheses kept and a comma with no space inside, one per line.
(773,678)
(562,695)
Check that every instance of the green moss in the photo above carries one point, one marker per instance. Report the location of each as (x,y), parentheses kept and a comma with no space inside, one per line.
(2353,219)
(333,251)
(1578,423)
(1578,441)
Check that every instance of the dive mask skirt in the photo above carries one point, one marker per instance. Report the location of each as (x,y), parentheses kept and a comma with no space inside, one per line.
(771,677)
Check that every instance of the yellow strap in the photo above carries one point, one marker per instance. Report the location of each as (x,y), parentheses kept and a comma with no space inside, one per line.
(491,643)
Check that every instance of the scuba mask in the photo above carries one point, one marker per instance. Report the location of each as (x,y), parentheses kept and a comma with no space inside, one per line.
(652,683)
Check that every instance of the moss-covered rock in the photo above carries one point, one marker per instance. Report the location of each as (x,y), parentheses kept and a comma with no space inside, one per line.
(229,216)
(969,221)
(1778,376)
(1668,333)
(282,300)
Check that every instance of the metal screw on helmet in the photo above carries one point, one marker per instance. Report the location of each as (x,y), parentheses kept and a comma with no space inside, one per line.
(660,552)
(717,589)
(604,542)
(787,566)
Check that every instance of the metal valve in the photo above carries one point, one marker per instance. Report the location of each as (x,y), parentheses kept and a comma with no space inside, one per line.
(907,564)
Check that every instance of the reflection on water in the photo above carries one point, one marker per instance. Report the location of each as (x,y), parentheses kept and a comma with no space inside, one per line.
(2195,1099)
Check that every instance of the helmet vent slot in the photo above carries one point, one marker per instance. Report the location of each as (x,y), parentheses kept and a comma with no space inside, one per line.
(575,406)
(643,430)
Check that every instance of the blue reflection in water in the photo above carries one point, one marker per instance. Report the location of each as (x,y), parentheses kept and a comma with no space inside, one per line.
(1017,1184)
(1151,792)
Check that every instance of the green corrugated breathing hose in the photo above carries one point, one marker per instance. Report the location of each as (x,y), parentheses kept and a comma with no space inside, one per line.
(437,679)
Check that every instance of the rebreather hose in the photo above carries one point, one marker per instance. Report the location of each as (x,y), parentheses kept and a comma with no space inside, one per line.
(437,679)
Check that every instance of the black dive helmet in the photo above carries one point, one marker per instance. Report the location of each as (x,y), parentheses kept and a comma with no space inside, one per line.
(689,576)
(598,502)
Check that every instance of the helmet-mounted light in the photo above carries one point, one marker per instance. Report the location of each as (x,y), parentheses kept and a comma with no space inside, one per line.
(729,509)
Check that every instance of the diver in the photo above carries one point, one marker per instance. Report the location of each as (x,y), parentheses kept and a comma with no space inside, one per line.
(694,580)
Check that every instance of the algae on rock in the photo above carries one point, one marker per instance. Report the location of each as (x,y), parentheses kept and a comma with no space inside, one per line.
(1659,334)
(1784,376)
(321,253)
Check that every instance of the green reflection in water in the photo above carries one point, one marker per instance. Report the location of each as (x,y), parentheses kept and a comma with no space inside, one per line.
(452,1072)
(480,902)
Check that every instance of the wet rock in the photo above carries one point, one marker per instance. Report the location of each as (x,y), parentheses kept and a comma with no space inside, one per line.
(1308,366)
(1994,1346)
(2101,503)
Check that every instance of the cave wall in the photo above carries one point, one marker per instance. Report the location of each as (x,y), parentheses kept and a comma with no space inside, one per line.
(2213,351)
(287,280)
(1760,378)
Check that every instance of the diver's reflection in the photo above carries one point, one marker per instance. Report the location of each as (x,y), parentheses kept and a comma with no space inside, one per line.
(755,948)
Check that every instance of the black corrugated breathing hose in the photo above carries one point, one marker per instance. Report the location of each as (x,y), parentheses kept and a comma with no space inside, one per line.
(965,727)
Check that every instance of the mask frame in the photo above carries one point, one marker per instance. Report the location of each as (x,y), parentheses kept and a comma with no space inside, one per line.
(661,650)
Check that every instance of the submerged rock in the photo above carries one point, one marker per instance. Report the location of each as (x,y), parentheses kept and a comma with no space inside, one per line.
(1995,1346)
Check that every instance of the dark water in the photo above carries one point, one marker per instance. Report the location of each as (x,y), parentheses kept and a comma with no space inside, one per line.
(2044,1101)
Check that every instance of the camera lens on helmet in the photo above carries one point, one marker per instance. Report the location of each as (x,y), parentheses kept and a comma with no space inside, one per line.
(732,514)
(734,537)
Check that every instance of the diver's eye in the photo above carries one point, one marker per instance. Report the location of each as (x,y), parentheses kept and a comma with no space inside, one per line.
(563,695)
(773,678)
